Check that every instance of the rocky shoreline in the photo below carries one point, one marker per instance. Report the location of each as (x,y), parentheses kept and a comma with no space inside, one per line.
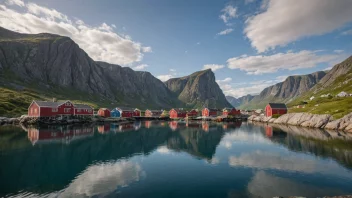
(324,121)
(25,120)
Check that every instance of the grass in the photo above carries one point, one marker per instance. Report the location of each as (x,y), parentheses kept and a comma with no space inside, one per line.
(335,106)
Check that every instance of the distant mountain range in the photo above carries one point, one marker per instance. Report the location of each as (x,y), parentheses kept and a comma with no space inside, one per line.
(237,102)
(299,89)
(47,65)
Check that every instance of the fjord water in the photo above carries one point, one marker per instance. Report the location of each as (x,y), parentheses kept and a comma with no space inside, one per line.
(174,159)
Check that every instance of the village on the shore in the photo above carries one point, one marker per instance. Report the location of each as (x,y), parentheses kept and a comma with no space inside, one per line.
(66,109)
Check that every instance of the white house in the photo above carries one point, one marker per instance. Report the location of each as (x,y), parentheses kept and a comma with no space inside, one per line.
(311,98)
(342,94)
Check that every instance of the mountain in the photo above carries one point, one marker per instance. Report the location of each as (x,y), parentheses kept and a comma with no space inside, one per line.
(236,102)
(198,90)
(285,91)
(55,66)
(337,80)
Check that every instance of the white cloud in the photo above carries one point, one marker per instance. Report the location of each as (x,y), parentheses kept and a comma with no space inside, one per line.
(281,78)
(301,19)
(229,12)
(163,150)
(172,70)
(198,43)
(213,67)
(224,32)
(100,42)
(104,178)
(147,49)
(348,32)
(140,67)
(248,1)
(165,77)
(226,80)
(328,68)
(338,51)
(15,2)
(281,61)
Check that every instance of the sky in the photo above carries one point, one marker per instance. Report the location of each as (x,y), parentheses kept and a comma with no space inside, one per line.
(249,44)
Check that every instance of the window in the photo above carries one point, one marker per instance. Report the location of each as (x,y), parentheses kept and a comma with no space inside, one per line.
(90,111)
(78,110)
(35,110)
(67,110)
(54,110)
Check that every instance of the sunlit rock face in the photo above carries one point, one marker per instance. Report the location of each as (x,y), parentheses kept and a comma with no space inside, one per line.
(102,179)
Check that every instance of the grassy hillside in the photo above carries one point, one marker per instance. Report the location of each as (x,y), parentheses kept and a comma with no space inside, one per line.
(336,106)
(15,103)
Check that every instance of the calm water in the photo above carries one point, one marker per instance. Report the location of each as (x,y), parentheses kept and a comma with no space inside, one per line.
(161,159)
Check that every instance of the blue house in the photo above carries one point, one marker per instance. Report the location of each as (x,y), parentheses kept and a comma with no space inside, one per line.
(115,113)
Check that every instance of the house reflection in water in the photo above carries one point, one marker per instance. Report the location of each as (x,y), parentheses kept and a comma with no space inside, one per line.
(126,127)
(231,125)
(271,132)
(147,124)
(104,128)
(62,134)
(173,125)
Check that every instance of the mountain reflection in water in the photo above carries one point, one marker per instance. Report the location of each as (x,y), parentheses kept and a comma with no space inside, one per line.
(174,159)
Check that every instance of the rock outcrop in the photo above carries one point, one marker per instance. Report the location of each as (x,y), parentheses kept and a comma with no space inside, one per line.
(198,90)
(343,124)
(309,120)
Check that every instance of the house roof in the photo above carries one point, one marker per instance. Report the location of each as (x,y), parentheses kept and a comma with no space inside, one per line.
(49,104)
(228,109)
(82,106)
(104,109)
(277,105)
(213,109)
(180,110)
(125,108)
(155,111)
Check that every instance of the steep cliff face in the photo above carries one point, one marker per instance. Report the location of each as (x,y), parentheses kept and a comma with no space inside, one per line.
(46,62)
(285,91)
(198,90)
(236,102)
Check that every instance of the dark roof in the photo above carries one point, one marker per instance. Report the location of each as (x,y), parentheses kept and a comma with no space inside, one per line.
(214,109)
(49,104)
(126,108)
(180,110)
(155,111)
(228,109)
(82,106)
(277,105)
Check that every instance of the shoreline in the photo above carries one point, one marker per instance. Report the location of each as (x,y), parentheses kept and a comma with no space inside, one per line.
(322,121)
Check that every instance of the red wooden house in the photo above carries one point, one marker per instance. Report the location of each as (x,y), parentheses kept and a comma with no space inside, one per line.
(177,113)
(230,112)
(136,113)
(210,112)
(275,108)
(83,110)
(126,112)
(153,113)
(192,113)
(50,109)
(104,112)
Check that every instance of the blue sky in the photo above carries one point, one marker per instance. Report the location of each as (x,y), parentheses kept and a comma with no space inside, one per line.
(249,44)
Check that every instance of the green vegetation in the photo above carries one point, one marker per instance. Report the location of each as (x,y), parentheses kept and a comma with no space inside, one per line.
(275,115)
(333,105)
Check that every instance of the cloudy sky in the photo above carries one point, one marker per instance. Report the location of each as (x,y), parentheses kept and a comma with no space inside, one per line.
(249,44)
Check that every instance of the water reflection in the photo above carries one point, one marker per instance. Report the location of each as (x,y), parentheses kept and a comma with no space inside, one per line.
(152,159)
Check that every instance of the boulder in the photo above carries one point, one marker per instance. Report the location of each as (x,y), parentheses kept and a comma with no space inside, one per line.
(317,121)
(343,124)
